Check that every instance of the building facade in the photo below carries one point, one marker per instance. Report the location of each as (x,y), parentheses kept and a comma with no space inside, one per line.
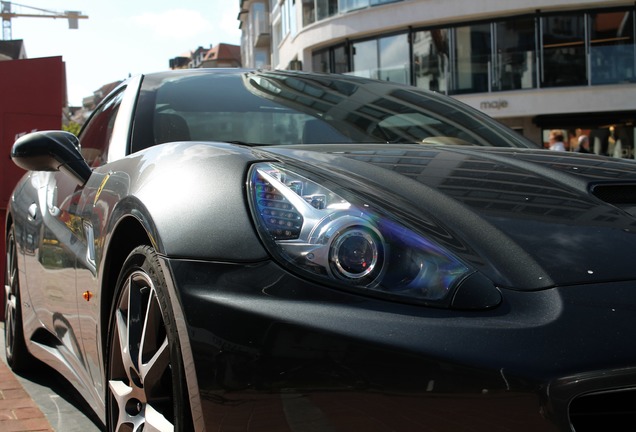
(533,65)
(220,56)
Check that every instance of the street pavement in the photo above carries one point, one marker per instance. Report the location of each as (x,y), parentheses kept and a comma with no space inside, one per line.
(40,400)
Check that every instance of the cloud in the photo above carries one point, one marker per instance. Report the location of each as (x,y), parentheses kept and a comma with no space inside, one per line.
(174,24)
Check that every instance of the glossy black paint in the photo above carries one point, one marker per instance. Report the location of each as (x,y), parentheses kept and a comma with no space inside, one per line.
(545,316)
(282,334)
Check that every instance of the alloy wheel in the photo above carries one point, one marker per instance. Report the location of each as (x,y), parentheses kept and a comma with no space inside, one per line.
(10,289)
(18,356)
(140,376)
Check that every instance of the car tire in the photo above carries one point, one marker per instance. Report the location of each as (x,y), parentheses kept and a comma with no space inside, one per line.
(145,375)
(17,354)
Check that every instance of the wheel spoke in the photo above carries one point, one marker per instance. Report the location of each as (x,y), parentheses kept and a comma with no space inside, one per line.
(152,371)
(136,312)
(121,394)
(122,340)
(155,356)
(9,326)
(155,421)
(12,268)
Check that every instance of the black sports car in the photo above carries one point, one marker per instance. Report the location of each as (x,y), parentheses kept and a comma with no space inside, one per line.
(230,250)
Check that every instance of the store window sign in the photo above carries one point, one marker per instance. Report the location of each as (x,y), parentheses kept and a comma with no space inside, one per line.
(494,104)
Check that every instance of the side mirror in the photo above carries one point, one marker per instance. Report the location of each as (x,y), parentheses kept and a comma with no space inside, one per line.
(51,151)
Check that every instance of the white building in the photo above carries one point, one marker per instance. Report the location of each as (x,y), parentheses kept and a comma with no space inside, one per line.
(535,65)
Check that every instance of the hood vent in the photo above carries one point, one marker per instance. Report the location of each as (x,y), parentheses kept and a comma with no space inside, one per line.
(622,196)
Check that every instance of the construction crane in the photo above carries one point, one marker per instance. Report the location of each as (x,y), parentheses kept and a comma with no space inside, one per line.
(7,14)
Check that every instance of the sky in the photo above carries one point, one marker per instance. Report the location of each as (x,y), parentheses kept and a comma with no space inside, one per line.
(123,37)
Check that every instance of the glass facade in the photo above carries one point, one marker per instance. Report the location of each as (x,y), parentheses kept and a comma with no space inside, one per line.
(386,59)
(288,18)
(320,61)
(471,59)
(515,65)
(326,8)
(394,64)
(317,10)
(350,5)
(333,60)
(563,50)
(612,47)
(577,48)
(340,59)
(365,59)
(430,59)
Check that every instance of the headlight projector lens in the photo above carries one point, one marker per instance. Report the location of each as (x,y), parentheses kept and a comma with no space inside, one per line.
(355,254)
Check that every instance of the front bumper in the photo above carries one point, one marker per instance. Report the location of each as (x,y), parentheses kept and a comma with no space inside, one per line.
(272,350)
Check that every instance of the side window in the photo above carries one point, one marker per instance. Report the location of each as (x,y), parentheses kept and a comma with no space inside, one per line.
(96,134)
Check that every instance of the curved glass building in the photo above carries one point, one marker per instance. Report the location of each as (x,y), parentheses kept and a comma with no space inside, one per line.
(534,65)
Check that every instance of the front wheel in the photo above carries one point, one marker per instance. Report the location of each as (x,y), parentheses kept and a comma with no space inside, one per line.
(146,385)
(18,356)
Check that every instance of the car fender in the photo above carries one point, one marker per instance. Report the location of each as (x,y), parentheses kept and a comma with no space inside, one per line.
(190,198)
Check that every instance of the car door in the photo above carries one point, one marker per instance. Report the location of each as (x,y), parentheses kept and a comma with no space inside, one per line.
(63,252)
(95,138)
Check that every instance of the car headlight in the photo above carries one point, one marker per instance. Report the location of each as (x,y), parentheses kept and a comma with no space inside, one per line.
(316,232)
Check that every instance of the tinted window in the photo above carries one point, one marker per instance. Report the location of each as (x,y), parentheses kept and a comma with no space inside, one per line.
(514,64)
(96,134)
(612,47)
(564,50)
(472,59)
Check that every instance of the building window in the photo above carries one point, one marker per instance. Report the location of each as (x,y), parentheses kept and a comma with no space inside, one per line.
(612,47)
(277,37)
(514,65)
(563,50)
(258,19)
(386,59)
(320,61)
(326,8)
(288,18)
(523,52)
(349,5)
(309,12)
(471,59)
(430,59)
(365,59)
(331,60)
(394,64)
(260,59)
(340,60)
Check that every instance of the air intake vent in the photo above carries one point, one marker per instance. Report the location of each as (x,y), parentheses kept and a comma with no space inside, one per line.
(607,411)
(622,196)
(616,193)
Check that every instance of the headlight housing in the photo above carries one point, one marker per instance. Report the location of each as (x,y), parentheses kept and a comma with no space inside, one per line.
(316,232)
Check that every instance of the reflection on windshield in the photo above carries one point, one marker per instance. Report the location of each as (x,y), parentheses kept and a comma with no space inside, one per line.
(282,108)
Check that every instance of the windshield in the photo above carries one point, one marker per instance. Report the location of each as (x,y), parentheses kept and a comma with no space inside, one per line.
(283,108)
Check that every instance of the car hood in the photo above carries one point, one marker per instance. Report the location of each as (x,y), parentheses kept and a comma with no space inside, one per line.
(528,219)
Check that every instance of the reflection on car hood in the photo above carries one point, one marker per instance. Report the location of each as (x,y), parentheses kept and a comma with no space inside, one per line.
(529,219)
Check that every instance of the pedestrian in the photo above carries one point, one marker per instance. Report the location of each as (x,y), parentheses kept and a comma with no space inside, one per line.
(583,142)
(556,140)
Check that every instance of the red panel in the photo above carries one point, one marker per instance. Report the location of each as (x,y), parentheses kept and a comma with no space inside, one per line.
(2,265)
(32,96)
